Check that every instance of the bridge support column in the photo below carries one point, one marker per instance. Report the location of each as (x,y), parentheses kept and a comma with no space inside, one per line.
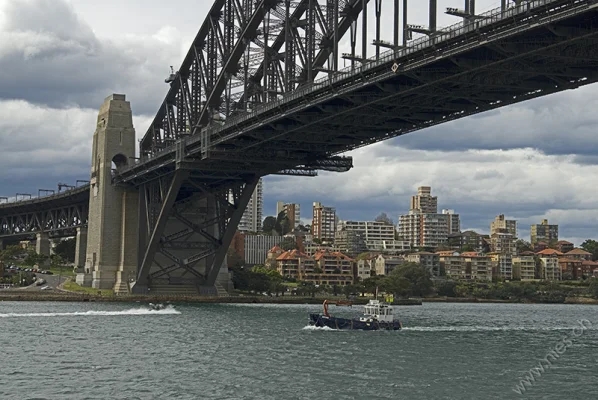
(113,224)
(42,247)
(2,247)
(81,247)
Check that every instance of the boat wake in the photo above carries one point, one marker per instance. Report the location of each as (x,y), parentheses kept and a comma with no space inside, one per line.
(485,328)
(169,310)
(318,328)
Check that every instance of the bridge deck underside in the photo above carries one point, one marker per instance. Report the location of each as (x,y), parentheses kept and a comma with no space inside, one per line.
(478,72)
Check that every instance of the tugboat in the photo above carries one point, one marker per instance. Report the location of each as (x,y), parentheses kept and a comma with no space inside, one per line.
(376,316)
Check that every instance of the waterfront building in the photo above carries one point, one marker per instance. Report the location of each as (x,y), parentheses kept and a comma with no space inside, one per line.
(579,254)
(424,202)
(564,246)
(430,261)
(524,268)
(570,268)
(251,221)
(453,222)
(323,225)
(549,268)
(544,233)
(478,267)
(384,264)
(330,269)
(271,257)
(311,248)
(595,273)
(365,266)
(257,247)
(291,210)
(503,225)
(588,268)
(453,264)
(502,265)
(294,264)
(549,253)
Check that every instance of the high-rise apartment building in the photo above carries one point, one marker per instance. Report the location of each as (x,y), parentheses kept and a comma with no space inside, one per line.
(453,220)
(323,226)
(291,210)
(544,233)
(424,201)
(502,225)
(252,217)
(423,226)
(369,230)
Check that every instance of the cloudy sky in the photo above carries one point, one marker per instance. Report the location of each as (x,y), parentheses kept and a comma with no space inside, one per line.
(60,58)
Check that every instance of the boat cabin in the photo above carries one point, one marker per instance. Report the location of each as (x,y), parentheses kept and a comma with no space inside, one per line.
(379,311)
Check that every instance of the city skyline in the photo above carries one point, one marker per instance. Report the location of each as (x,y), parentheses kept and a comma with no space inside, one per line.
(531,161)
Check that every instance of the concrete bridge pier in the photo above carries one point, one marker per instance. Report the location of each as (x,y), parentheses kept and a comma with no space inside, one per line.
(81,247)
(42,247)
(113,211)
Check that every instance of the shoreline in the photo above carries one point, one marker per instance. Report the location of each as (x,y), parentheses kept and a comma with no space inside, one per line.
(85,298)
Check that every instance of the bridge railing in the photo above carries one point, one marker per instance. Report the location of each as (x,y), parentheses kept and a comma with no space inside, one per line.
(399,56)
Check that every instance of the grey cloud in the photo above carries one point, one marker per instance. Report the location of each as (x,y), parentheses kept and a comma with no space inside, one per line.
(50,56)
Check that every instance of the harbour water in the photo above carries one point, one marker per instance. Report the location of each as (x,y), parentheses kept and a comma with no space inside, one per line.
(201,351)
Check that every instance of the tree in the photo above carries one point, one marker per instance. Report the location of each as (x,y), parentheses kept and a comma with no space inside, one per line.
(593,289)
(10,253)
(591,246)
(66,249)
(283,224)
(33,258)
(409,279)
(269,225)
(447,288)
(233,259)
(288,244)
(467,248)
(384,218)
(522,245)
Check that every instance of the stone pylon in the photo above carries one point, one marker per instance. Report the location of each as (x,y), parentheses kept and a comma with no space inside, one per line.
(112,240)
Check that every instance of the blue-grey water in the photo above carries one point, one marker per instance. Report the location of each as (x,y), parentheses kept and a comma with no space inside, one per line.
(446,351)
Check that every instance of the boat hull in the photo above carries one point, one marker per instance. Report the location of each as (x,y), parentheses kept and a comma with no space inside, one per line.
(321,321)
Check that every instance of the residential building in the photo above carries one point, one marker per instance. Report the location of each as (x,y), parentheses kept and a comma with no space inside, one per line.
(365,266)
(468,239)
(544,233)
(369,230)
(423,227)
(251,221)
(524,268)
(466,266)
(271,257)
(549,253)
(501,224)
(350,243)
(424,202)
(331,268)
(311,248)
(570,268)
(323,224)
(549,268)
(579,254)
(503,243)
(294,264)
(257,247)
(478,267)
(424,230)
(454,265)
(430,261)
(388,246)
(588,268)
(292,212)
(453,221)
(595,275)
(564,246)
(502,265)
(385,264)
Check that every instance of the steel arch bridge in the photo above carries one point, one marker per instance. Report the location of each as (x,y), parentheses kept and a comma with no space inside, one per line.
(260,92)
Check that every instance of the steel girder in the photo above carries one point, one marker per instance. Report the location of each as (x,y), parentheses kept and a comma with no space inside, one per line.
(249,53)
(58,221)
(187,225)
